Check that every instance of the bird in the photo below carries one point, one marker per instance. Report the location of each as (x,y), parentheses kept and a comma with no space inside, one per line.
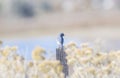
(60,40)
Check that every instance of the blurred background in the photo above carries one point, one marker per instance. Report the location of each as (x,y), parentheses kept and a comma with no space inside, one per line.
(80,20)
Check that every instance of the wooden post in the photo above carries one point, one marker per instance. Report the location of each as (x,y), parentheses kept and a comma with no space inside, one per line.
(61,56)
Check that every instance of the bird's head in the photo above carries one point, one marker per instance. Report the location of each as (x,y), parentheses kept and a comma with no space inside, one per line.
(62,34)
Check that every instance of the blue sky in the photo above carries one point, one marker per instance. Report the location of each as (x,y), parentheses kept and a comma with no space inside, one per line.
(25,46)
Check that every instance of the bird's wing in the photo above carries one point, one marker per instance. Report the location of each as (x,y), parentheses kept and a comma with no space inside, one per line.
(58,42)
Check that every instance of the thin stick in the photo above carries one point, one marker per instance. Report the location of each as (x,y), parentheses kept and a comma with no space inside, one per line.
(61,55)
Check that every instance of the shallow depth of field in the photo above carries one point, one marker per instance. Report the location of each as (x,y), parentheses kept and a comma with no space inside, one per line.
(29,31)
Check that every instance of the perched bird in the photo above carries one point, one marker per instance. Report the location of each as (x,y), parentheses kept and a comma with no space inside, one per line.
(60,39)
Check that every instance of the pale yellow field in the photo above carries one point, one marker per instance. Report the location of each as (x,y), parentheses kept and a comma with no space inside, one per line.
(83,61)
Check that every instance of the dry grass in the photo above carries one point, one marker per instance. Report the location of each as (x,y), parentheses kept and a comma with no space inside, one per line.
(83,24)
